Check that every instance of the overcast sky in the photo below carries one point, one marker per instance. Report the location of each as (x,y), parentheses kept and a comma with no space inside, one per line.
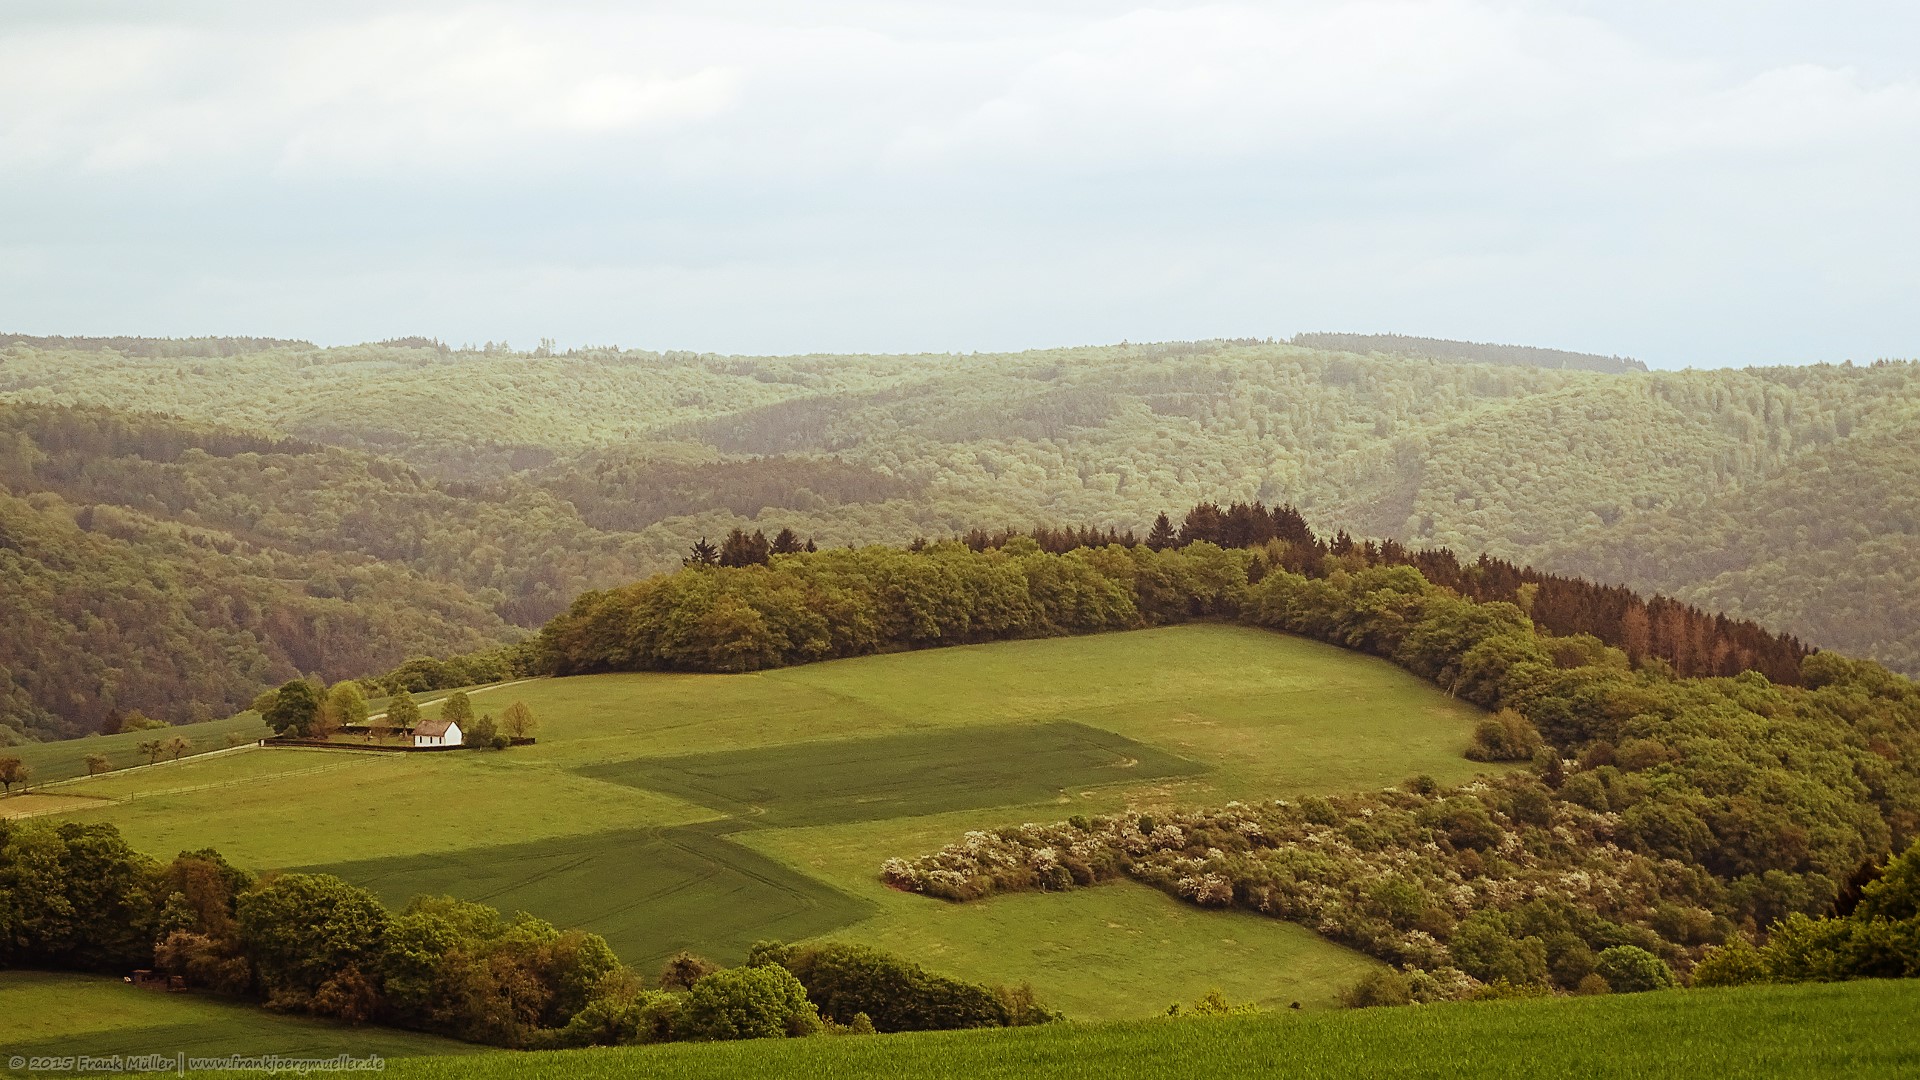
(1693,182)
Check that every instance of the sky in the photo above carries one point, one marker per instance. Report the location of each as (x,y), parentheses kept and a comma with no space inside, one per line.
(1690,182)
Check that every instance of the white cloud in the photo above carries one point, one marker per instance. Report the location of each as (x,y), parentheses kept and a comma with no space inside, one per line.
(1264,166)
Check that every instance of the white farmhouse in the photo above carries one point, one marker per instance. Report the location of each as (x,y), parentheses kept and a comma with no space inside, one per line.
(436,733)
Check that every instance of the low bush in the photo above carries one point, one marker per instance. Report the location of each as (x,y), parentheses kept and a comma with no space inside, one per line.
(1631,970)
(764,1002)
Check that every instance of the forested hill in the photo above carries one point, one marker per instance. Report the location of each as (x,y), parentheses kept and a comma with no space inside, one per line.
(154,347)
(1467,351)
(410,497)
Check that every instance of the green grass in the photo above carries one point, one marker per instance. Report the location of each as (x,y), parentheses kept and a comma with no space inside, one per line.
(1854,1030)
(906,775)
(62,1014)
(68,758)
(1207,713)
(649,892)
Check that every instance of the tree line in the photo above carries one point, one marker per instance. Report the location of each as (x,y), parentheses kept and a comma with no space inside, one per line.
(79,898)
(752,603)
(1693,641)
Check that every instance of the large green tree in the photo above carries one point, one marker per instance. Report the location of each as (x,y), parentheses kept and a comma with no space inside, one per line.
(402,712)
(302,930)
(295,708)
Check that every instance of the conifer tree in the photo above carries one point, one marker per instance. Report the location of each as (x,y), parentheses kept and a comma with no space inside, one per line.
(1161,537)
(743,549)
(704,554)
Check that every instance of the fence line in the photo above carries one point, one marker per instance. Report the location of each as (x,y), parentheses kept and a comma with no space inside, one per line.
(127,797)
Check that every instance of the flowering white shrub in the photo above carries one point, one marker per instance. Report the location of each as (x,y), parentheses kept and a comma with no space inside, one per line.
(1319,862)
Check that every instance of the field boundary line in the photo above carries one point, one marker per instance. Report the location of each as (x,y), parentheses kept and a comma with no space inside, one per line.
(117,800)
(249,745)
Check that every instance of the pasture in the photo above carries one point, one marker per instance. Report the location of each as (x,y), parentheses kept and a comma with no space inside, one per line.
(650,892)
(905,775)
(62,1014)
(67,759)
(1860,1031)
(802,780)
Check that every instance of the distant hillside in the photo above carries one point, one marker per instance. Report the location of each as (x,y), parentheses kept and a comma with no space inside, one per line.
(434,499)
(1467,351)
(1827,549)
(157,347)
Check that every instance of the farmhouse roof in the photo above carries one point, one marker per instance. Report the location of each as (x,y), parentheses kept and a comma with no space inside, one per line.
(432,728)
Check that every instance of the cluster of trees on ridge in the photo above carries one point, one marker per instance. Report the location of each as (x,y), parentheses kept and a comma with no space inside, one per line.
(746,608)
(79,898)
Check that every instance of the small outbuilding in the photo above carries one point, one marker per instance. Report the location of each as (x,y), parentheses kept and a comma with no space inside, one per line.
(436,733)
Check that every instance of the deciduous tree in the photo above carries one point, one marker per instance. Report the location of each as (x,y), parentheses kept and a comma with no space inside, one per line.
(402,713)
(518,720)
(458,709)
(295,708)
(12,771)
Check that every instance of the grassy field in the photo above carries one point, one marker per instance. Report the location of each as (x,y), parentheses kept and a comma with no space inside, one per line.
(652,892)
(906,775)
(67,759)
(1858,1031)
(805,779)
(66,1014)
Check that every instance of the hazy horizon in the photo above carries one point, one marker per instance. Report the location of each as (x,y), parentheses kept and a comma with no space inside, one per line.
(1725,185)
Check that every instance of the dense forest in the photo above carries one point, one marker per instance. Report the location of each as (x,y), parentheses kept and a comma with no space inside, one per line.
(332,511)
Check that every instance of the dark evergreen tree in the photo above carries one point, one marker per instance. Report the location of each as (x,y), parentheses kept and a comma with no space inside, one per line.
(1290,526)
(1245,526)
(745,549)
(1203,523)
(704,554)
(786,542)
(1161,536)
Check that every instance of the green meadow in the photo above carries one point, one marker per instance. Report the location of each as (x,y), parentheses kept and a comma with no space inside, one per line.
(906,775)
(650,892)
(707,811)
(1860,1031)
(67,759)
(64,1014)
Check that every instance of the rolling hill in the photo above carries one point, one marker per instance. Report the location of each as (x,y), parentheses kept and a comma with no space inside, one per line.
(335,510)
(709,811)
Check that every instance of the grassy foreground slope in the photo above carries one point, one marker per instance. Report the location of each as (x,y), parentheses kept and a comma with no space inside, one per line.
(1855,1030)
(745,843)
(60,1014)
